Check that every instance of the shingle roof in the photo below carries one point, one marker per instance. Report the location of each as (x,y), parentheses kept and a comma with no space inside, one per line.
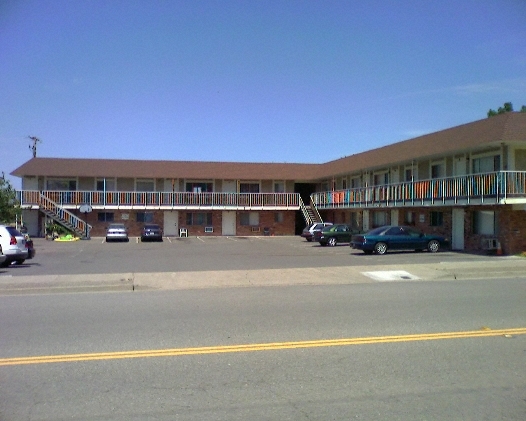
(508,127)
(76,167)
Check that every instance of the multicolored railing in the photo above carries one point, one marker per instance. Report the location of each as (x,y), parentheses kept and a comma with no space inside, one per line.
(158,200)
(492,187)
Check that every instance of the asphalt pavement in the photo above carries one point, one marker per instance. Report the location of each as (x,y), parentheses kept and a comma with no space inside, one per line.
(235,262)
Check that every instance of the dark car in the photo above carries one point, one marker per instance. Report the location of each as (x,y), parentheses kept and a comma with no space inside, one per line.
(334,234)
(390,237)
(151,232)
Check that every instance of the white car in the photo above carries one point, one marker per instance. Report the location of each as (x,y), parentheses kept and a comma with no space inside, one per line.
(13,246)
(2,256)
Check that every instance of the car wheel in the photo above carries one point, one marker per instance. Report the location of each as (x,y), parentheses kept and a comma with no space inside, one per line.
(107,240)
(4,264)
(380,248)
(19,262)
(309,239)
(332,241)
(433,246)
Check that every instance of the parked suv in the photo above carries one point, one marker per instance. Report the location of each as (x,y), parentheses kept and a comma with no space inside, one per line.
(13,245)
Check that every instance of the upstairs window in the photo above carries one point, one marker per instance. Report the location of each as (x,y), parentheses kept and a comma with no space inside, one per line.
(144,185)
(61,185)
(199,187)
(486,164)
(248,187)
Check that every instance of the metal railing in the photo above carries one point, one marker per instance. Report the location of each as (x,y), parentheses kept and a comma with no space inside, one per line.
(494,187)
(63,217)
(159,200)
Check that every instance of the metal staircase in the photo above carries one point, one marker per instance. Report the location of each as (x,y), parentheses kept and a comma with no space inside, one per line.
(310,213)
(64,217)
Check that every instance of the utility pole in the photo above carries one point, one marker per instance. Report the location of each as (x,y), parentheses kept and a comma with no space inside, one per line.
(34,147)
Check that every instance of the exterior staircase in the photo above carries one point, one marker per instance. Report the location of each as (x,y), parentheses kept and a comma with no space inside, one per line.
(310,213)
(64,217)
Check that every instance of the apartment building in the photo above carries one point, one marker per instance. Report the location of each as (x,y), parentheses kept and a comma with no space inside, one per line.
(466,182)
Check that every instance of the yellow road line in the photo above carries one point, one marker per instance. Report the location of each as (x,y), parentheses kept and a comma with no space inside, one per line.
(257,347)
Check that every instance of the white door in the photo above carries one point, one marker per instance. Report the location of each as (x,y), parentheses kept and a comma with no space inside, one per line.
(457,234)
(170,223)
(365,221)
(394,216)
(229,223)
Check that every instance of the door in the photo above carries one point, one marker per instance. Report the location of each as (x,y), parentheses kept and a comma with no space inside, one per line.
(229,223)
(170,228)
(457,234)
(365,221)
(394,216)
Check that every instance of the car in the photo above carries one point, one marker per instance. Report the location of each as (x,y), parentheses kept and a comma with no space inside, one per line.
(13,245)
(2,255)
(117,232)
(308,231)
(151,232)
(394,237)
(334,234)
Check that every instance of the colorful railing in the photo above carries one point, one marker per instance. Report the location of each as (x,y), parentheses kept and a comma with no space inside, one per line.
(73,199)
(495,187)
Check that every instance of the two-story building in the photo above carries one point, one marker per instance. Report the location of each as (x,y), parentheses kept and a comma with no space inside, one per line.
(467,183)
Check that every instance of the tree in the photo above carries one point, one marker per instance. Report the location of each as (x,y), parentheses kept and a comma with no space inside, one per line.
(9,206)
(508,107)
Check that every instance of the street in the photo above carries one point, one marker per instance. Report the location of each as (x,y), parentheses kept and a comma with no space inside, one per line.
(331,352)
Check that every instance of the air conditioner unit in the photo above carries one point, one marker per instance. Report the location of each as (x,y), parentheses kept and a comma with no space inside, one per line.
(209,229)
(255,229)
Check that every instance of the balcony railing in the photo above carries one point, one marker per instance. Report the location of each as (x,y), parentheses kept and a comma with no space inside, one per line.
(161,200)
(494,187)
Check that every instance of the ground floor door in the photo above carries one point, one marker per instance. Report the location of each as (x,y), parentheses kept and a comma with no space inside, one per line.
(170,228)
(229,223)
(394,216)
(365,221)
(457,234)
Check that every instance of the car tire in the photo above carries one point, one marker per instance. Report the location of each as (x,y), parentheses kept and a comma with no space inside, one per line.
(107,240)
(20,261)
(332,241)
(5,264)
(380,248)
(433,246)
(309,239)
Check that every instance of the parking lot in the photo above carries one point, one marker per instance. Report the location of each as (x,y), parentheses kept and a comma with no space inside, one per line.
(195,254)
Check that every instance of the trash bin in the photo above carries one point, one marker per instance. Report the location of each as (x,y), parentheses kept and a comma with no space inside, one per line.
(266,231)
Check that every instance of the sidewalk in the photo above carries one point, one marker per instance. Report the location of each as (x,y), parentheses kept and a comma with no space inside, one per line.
(505,267)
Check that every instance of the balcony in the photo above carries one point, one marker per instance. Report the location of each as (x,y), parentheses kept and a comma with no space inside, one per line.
(162,200)
(502,187)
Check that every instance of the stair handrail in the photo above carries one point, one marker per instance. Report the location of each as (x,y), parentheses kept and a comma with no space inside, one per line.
(306,215)
(64,216)
(315,210)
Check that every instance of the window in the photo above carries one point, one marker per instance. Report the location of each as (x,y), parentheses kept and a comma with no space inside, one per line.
(486,164)
(437,170)
(344,184)
(144,216)
(144,185)
(249,218)
(436,219)
(106,185)
(410,218)
(62,185)
(248,187)
(279,187)
(381,179)
(105,217)
(484,222)
(355,182)
(199,218)
(279,217)
(409,174)
(199,187)
(379,219)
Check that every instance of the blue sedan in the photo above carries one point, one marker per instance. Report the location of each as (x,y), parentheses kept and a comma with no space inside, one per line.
(390,237)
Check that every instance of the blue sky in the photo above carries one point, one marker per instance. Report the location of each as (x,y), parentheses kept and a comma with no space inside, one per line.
(257,81)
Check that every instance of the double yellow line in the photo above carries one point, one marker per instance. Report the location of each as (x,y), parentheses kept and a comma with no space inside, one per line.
(258,347)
